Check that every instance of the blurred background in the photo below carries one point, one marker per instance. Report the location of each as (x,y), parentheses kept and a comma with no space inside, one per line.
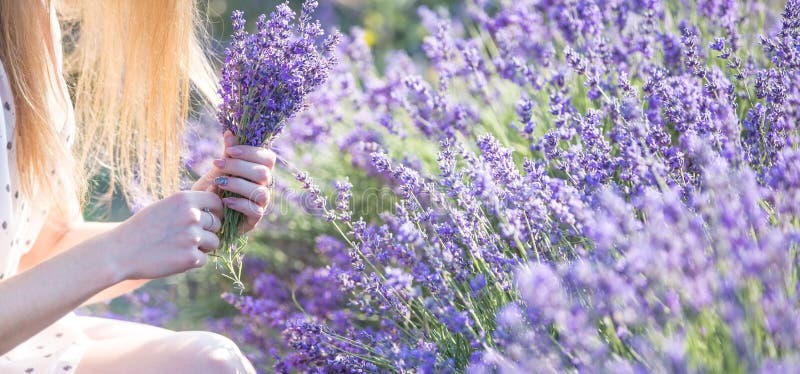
(387,24)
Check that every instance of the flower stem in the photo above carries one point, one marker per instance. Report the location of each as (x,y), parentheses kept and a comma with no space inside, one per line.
(231,244)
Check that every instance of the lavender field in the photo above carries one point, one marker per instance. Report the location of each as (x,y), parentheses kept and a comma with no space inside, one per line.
(535,186)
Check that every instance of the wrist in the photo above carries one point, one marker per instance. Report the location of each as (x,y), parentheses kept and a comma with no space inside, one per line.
(107,260)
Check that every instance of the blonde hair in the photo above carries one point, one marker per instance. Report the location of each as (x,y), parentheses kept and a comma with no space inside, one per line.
(131,66)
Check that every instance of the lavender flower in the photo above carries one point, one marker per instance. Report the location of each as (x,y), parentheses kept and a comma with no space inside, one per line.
(575,186)
(264,82)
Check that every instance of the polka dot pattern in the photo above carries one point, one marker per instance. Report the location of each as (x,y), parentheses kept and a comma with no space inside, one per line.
(20,220)
(59,347)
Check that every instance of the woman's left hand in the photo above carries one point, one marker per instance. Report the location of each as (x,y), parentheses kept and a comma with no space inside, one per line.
(246,171)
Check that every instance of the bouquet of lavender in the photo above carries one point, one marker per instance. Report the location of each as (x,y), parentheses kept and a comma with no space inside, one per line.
(265,80)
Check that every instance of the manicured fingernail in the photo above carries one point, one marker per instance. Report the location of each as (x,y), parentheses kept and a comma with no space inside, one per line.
(221,181)
(229,201)
(234,151)
(220,163)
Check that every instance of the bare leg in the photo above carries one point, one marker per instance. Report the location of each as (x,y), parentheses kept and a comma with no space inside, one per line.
(103,328)
(125,347)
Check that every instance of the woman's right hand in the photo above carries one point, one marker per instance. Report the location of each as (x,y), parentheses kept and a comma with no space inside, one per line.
(168,237)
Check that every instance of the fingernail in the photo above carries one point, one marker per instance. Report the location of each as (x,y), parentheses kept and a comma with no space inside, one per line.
(221,181)
(234,151)
(229,201)
(220,163)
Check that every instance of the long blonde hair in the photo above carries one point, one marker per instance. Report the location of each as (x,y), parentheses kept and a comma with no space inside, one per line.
(131,66)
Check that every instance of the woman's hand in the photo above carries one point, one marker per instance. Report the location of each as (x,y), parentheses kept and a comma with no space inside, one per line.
(246,171)
(167,237)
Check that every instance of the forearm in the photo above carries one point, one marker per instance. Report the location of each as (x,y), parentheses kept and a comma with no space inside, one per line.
(57,237)
(118,289)
(168,237)
(34,299)
(84,231)
(63,237)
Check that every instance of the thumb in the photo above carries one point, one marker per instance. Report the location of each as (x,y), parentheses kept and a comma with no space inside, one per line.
(229,138)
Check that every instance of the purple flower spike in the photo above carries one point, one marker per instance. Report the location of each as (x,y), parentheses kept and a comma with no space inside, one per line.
(265,80)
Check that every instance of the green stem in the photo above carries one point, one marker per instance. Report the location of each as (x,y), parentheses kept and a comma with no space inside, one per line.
(231,243)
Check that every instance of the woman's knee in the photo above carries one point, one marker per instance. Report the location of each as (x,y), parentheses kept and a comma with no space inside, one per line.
(206,352)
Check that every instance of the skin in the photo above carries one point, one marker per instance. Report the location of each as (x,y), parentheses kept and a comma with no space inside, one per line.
(75,262)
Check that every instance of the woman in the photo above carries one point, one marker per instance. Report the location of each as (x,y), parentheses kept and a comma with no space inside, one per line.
(131,65)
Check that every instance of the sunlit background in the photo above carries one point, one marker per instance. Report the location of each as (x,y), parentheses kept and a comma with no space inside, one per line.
(388,24)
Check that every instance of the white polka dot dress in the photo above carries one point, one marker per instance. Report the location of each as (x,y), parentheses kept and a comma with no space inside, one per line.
(59,347)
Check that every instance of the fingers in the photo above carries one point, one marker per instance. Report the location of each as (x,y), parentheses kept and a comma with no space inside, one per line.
(229,139)
(203,199)
(256,173)
(256,155)
(200,258)
(208,241)
(209,221)
(254,192)
(245,206)
(206,182)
